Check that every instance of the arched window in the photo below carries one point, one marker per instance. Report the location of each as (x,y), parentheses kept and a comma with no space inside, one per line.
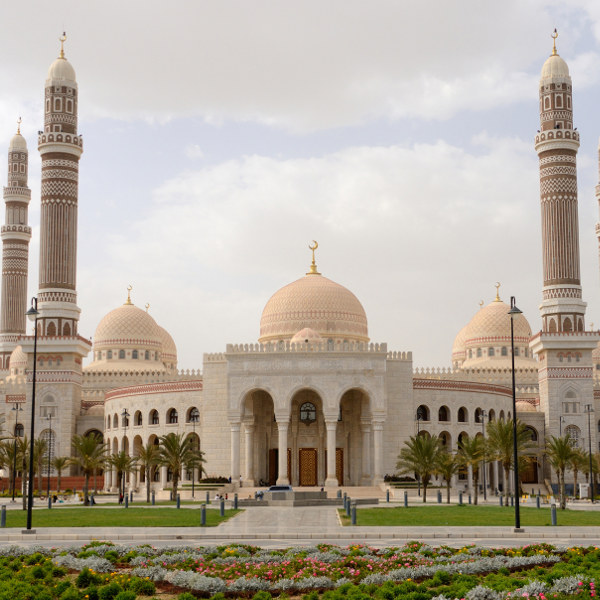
(193,415)
(154,417)
(490,351)
(492,415)
(445,439)
(478,415)
(121,353)
(134,354)
(503,351)
(115,421)
(308,413)
(422,413)
(533,435)
(572,431)
(147,355)
(443,414)
(51,329)
(172,416)
(66,329)
(501,415)
(138,419)
(463,416)
(19,430)
(107,422)
(109,354)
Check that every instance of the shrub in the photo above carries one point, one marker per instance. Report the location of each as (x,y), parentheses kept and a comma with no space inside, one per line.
(187,596)
(143,587)
(109,592)
(86,578)
(125,595)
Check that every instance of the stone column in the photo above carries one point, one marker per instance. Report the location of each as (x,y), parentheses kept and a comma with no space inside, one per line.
(114,480)
(366,453)
(282,428)
(235,452)
(470,479)
(107,480)
(163,477)
(331,479)
(377,452)
(249,436)
(496,479)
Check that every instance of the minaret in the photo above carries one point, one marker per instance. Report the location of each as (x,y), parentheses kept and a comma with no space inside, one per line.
(60,147)
(16,234)
(563,347)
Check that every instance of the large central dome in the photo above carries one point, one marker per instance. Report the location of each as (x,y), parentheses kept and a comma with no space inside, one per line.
(318,303)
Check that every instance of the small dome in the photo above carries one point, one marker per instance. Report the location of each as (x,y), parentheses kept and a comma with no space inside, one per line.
(305,336)
(62,71)
(17,143)
(458,348)
(18,359)
(127,327)
(493,321)
(524,406)
(169,349)
(95,410)
(317,303)
(555,67)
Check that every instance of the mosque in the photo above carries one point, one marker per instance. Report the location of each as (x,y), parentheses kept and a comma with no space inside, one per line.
(313,401)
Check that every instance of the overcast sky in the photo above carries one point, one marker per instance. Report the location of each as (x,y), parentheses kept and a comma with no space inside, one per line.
(220,138)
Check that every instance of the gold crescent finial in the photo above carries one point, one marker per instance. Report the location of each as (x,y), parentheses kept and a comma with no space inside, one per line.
(554,35)
(62,39)
(19,121)
(497,292)
(147,306)
(313,266)
(129,288)
(481,303)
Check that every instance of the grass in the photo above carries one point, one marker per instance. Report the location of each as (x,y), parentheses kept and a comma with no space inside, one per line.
(94,516)
(467,515)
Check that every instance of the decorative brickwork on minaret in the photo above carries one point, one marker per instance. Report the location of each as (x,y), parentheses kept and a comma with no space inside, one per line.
(16,234)
(60,147)
(556,144)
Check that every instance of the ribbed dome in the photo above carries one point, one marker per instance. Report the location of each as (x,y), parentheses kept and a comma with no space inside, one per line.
(524,406)
(18,359)
(169,349)
(317,303)
(493,321)
(555,67)
(17,143)
(127,327)
(62,71)
(305,336)
(458,348)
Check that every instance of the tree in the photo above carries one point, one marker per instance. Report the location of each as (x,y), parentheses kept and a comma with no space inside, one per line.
(175,452)
(499,440)
(124,464)
(420,456)
(446,467)
(89,453)
(560,452)
(578,462)
(148,456)
(59,463)
(40,449)
(471,451)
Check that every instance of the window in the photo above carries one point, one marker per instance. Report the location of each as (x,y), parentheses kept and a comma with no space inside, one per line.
(115,421)
(478,352)
(573,432)
(121,353)
(193,415)
(134,354)
(422,413)
(546,102)
(154,417)
(462,415)
(443,414)
(109,354)
(516,351)
(147,355)
(19,430)
(173,417)
(533,436)
(504,351)
(138,419)
(470,353)
(490,352)
(478,415)
(308,413)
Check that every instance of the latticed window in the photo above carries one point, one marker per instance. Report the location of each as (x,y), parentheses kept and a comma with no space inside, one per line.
(308,413)
(572,431)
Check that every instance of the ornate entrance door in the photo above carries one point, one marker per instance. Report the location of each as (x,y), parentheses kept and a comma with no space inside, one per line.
(308,466)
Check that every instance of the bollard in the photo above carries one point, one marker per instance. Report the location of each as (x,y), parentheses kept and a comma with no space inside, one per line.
(207,497)
(353,517)
(222,507)
(387,495)
(3,516)
(339,493)
(171,495)
(131,496)
(178,501)
(348,501)
(153,497)
(512,500)
(405,499)
(439,496)
(126,501)
(203,515)
(469,498)
(553,514)
(537,501)
(460,498)
(501,500)
(49,501)
(235,501)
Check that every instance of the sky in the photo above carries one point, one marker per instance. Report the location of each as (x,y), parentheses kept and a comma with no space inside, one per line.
(221,138)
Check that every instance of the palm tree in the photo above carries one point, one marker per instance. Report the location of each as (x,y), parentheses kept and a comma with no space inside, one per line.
(59,463)
(578,462)
(147,459)
(499,440)
(40,449)
(124,464)
(446,467)
(471,451)
(420,456)
(7,452)
(89,453)
(560,452)
(175,452)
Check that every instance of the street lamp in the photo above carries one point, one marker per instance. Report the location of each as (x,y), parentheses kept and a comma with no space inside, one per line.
(32,315)
(194,418)
(589,410)
(514,312)
(483,414)
(125,417)
(16,408)
(419,417)
(49,417)
(561,420)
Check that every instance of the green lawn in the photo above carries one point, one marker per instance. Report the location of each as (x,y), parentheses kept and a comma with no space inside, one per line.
(467,515)
(95,516)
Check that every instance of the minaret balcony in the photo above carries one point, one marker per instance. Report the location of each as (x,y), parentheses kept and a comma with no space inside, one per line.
(60,138)
(14,191)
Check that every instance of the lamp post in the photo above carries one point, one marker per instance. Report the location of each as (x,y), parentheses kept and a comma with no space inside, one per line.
(561,420)
(419,417)
(16,408)
(32,315)
(49,417)
(514,312)
(589,410)
(483,415)
(125,416)
(194,418)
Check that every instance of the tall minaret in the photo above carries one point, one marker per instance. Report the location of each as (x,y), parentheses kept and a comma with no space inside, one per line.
(563,347)
(60,147)
(16,234)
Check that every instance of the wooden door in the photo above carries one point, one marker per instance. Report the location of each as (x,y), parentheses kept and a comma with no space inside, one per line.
(308,466)
(339,465)
(273,465)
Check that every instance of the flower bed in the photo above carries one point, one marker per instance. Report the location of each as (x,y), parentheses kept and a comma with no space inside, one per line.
(104,571)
